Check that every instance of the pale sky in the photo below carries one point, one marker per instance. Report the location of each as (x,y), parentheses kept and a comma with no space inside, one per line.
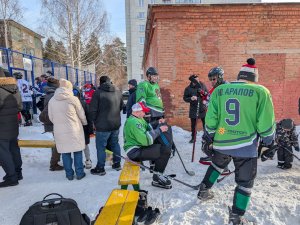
(114,8)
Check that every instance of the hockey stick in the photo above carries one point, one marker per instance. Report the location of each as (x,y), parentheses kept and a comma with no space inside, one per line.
(191,173)
(290,152)
(195,131)
(195,187)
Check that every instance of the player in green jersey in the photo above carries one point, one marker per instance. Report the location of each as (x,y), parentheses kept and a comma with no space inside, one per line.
(140,143)
(238,113)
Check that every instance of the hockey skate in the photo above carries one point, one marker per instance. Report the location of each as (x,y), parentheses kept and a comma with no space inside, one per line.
(161,181)
(204,193)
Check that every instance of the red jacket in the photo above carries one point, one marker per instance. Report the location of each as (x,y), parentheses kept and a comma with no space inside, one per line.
(88,94)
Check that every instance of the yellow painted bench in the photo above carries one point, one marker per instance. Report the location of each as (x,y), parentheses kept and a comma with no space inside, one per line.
(130,175)
(36,143)
(119,208)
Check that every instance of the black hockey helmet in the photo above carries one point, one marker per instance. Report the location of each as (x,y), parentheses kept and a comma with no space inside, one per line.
(18,75)
(287,124)
(216,72)
(151,71)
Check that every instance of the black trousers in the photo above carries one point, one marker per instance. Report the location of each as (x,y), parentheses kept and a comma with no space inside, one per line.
(158,153)
(193,125)
(10,158)
(284,157)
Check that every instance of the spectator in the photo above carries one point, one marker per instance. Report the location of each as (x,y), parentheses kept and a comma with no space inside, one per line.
(192,94)
(131,98)
(105,109)
(68,118)
(52,85)
(25,92)
(88,130)
(10,105)
(88,93)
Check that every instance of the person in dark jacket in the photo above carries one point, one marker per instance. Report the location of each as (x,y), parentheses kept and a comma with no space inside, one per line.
(10,105)
(105,109)
(52,85)
(88,129)
(131,98)
(192,94)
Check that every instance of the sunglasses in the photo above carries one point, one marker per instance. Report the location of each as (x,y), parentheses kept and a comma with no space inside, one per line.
(212,79)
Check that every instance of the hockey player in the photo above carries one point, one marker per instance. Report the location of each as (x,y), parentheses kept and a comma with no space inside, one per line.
(216,77)
(149,93)
(286,138)
(237,113)
(139,144)
(25,91)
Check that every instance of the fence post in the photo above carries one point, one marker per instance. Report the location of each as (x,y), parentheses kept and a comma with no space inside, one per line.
(8,63)
(77,77)
(84,78)
(67,76)
(52,68)
(91,78)
(95,81)
(34,108)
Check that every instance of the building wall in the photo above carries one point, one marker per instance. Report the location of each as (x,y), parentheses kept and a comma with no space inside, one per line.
(134,9)
(185,40)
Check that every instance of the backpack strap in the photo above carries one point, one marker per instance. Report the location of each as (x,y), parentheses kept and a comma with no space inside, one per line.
(39,219)
(63,218)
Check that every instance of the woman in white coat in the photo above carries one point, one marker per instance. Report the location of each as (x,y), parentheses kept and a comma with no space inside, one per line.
(67,115)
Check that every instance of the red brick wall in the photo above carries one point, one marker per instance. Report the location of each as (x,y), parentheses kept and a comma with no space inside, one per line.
(182,40)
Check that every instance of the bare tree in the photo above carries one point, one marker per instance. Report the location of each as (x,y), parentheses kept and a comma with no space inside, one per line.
(9,9)
(73,21)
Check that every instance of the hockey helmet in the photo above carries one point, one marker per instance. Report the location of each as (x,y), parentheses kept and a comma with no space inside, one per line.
(18,75)
(151,71)
(287,124)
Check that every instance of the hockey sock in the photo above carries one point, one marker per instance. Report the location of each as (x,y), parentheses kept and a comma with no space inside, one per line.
(241,200)
(211,176)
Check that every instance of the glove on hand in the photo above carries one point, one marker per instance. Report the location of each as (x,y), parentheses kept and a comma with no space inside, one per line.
(207,142)
(268,154)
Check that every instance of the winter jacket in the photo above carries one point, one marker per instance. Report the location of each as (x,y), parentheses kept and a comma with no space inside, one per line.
(190,91)
(286,138)
(67,115)
(10,105)
(131,101)
(44,118)
(105,108)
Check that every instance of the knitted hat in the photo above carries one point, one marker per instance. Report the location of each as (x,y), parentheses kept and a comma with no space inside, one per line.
(133,82)
(249,71)
(193,77)
(52,82)
(139,106)
(63,83)
(104,79)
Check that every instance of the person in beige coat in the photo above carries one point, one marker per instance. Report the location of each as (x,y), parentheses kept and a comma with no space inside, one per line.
(67,115)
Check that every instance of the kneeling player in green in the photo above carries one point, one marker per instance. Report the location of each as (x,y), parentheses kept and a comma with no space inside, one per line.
(238,113)
(139,144)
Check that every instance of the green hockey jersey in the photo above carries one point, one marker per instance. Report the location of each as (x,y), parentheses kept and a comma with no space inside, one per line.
(137,133)
(150,94)
(237,113)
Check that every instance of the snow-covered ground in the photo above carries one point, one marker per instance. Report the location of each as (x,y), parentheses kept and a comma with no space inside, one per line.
(275,199)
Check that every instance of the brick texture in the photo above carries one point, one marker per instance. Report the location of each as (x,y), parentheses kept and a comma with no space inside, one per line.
(187,39)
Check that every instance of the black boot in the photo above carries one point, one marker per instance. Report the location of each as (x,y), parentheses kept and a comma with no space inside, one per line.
(235,219)
(98,171)
(205,193)
(8,183)
(116,166)
(19,174)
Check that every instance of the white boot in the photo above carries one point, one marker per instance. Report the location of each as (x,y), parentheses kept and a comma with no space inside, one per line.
(88,164)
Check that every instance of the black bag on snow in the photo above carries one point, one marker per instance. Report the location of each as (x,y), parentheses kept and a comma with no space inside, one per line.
(55,211)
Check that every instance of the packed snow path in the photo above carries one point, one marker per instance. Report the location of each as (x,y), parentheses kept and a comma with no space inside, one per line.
(275,199)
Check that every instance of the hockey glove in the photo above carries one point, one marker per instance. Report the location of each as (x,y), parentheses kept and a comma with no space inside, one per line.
(207,142)
(269,153)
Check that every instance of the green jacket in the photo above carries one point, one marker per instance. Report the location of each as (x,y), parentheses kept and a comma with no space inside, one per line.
(150,94)
(237,114)
(137,133)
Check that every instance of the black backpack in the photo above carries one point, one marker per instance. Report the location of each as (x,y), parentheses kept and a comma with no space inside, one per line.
(54,211)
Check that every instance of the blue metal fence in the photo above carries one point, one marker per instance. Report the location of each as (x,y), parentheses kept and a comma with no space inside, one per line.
(13,61)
